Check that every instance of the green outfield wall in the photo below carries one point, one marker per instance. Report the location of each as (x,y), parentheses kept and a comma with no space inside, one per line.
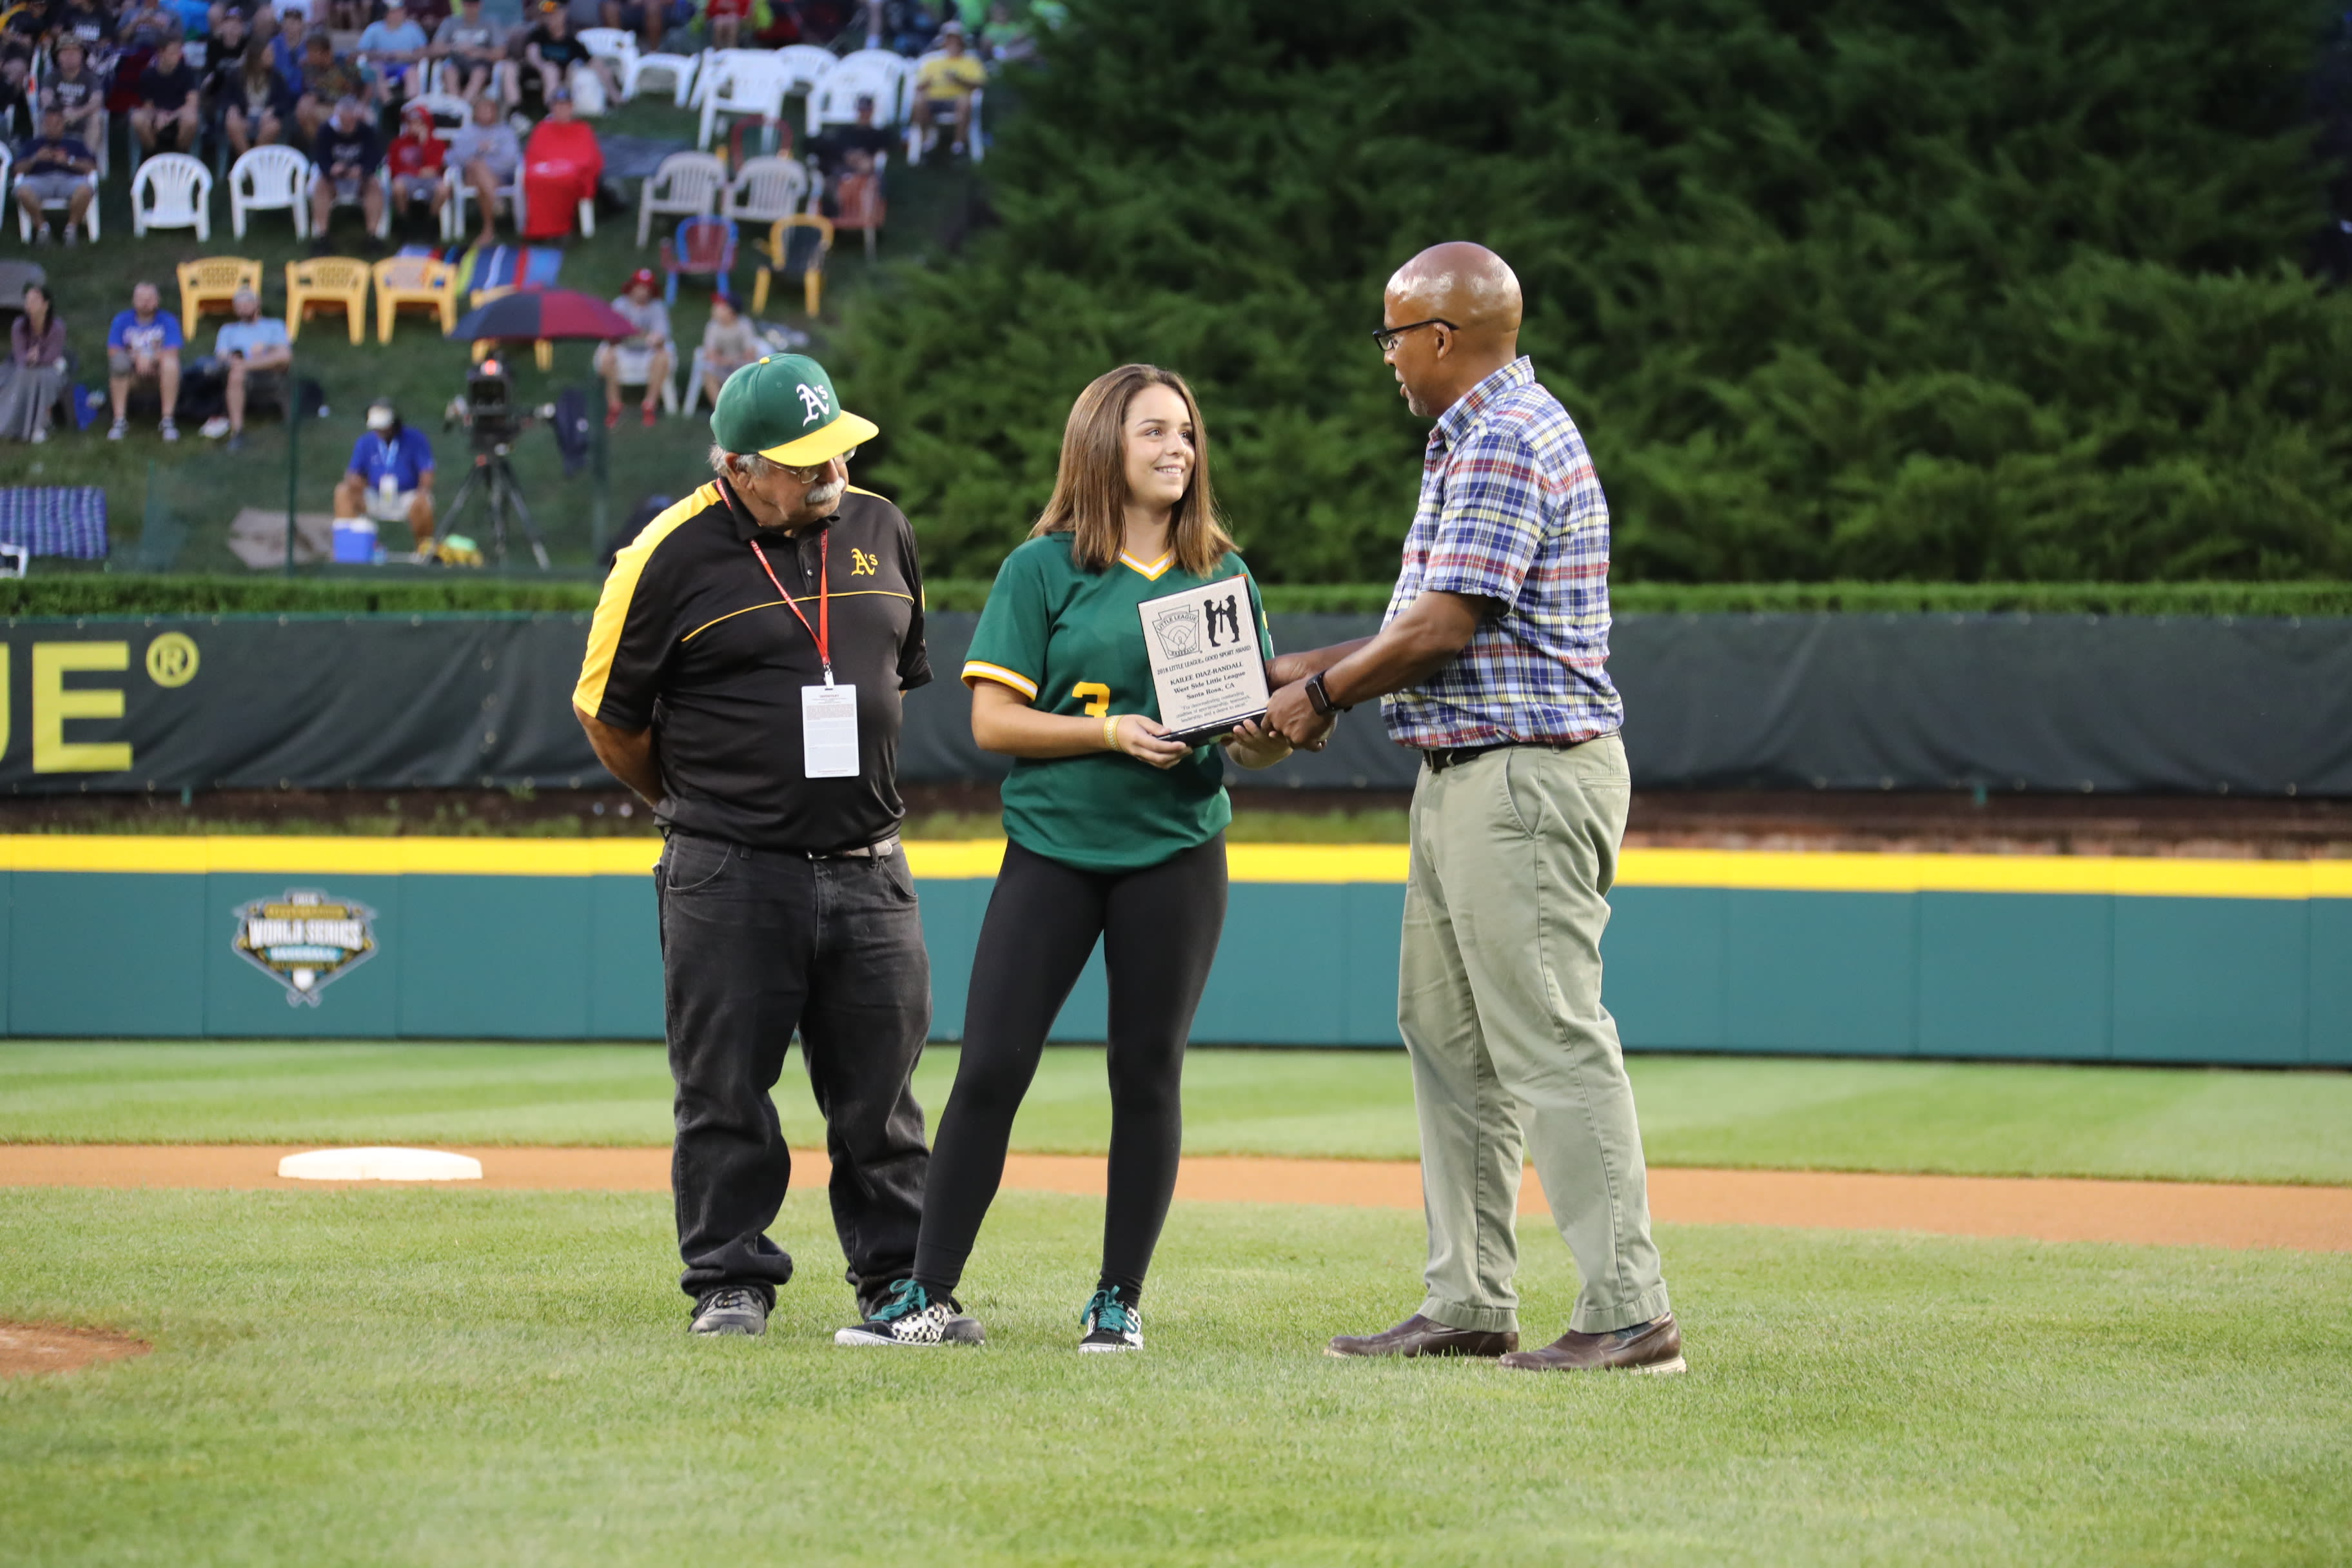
(2244,963)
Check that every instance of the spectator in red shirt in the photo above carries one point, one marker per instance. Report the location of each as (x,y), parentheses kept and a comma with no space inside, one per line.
(414,161)
(560,167)
(725,19)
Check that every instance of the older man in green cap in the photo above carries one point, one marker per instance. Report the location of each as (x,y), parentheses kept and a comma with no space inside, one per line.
(744,675)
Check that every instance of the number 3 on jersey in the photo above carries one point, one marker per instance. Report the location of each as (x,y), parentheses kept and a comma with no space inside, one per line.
(1095,694)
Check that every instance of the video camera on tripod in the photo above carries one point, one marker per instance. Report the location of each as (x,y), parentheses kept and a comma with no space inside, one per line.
(487,411)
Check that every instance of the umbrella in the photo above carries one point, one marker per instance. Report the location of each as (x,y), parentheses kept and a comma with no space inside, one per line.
(543,313)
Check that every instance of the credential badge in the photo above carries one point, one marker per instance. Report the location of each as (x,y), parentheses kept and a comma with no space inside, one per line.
(303,940)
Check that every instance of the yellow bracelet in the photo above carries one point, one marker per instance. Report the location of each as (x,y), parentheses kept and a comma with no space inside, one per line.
(1110,732)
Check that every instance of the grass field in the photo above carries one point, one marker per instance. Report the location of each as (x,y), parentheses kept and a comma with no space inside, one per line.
(420,1377)
(1984,1118)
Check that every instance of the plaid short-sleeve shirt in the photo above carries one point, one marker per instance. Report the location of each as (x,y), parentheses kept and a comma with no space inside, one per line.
(1511,511)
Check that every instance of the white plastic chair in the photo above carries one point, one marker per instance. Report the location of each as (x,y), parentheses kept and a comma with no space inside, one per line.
(681,70)
(617,45)
(901,72)
(268,179)
(453,211)
(713,61)
(685,184)
(52,205)
(743,87)
(172,190)
(834,101)
(513,196)
(765,189)
(806,65)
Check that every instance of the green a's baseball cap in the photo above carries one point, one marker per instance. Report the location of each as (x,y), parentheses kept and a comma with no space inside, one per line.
(784,408)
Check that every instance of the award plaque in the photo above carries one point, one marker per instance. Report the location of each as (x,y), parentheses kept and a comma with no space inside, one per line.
(1206,663)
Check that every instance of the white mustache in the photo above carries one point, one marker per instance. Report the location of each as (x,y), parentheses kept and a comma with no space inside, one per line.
(827,493)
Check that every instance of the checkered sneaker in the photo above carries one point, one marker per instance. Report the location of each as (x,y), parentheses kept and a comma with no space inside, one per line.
(1111,1324)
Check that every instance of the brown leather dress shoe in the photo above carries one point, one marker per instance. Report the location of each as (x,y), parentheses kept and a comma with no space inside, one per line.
(1418,1336)
(1655,1347)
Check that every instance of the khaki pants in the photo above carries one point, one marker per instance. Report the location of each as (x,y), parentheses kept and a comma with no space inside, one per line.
(1499,999)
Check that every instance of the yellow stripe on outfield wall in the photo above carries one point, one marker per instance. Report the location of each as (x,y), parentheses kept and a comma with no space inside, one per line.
(953,860)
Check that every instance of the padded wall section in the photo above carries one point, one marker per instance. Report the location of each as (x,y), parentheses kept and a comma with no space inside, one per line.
(1823,973)
(97,953)
(2015,975)
(625,966)
(495,957)
(361,1000)
(2213,980)
(1664,968)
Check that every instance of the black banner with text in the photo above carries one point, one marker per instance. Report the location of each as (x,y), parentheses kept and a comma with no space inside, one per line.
(2010,702)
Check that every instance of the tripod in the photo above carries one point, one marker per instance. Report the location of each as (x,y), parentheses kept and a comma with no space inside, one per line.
(501,495)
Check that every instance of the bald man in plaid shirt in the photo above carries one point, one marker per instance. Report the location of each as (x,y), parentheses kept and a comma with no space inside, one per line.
(1493,661)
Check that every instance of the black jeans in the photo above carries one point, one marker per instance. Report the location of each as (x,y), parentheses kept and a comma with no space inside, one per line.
(755,944)
(1159,928)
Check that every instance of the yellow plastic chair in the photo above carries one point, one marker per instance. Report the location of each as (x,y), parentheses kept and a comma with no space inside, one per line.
(214,280)
(340,281)
(541,350)
(773,252)
(413,280)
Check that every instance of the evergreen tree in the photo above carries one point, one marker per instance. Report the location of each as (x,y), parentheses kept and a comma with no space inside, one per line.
(1976,289)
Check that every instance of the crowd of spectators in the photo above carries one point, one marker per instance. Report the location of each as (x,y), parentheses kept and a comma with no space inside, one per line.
(330,77)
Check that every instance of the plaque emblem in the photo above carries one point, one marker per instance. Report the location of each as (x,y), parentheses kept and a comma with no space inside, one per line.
(1179,629)
(304,940)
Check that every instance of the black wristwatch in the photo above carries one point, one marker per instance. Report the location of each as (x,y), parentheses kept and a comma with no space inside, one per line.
(1320,698)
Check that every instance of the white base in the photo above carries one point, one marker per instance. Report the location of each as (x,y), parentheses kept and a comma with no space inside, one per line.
(381,1165)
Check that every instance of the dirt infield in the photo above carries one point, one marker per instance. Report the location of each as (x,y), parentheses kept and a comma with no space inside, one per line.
(27,1348)
(2165,1213)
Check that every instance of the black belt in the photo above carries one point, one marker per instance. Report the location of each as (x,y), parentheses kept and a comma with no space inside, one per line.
(881,850)
(1441,758)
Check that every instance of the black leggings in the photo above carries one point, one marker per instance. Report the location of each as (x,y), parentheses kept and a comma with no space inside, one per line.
(1159,928)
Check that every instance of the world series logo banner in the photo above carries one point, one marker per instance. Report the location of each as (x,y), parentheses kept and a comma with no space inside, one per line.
(1206,665)
(305,940)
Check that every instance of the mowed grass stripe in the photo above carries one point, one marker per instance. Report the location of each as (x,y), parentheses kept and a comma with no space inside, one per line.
(430,1377)
(1957,1118)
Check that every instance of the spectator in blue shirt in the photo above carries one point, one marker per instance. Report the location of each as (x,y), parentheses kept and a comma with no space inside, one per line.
(144,345)
(286,50)
(389,52)
(390,475)
(255,349)
(54,167)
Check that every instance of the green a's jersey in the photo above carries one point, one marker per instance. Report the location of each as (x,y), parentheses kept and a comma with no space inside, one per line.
(1071,641)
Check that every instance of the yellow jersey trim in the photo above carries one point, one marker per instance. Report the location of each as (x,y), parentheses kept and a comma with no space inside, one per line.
(977,670)
(620,587)
(1154,573)
(803,599)
(2117,876)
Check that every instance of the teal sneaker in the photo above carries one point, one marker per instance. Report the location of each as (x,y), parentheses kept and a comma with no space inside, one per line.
(1111,1324)
(908,1316)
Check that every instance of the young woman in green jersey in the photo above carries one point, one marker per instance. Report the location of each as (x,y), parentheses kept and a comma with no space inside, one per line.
(1116,836)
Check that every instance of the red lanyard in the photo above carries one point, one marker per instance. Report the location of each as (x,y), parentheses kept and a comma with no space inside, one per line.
(823,630)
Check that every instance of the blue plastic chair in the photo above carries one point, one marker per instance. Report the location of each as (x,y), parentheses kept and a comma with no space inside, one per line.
(704,247)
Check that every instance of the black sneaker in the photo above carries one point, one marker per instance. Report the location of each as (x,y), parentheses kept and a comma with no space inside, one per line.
(908,1316)
(1111,1324)
(730,1310)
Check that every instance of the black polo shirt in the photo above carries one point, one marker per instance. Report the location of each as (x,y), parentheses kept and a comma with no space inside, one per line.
(691,639)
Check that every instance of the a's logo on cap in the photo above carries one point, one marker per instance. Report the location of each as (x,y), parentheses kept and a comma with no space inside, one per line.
(813,400)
